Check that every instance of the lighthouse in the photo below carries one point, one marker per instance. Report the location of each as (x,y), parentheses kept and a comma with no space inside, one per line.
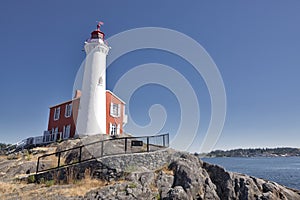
(92,108)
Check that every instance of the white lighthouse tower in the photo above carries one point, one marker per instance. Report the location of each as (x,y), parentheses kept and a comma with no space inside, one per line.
(92,108)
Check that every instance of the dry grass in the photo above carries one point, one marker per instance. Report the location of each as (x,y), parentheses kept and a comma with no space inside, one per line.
(153,187)
(82,187)
(166,170)
(50,161)
(21,190)
(27,191)
(6,188)
(3,157)
(42,150)
(73,187)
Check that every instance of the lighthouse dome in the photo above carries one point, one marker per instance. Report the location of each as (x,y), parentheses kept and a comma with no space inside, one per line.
(97,35)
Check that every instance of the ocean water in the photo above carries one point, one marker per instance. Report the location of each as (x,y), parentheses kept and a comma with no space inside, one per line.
(283,170)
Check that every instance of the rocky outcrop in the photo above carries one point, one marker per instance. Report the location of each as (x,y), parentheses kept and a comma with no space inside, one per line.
(238,186)
(191,178)
(21,163)
(187,177)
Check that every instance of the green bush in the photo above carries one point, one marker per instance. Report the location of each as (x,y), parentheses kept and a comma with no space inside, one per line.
(49,183)
(31,179)
(42,180)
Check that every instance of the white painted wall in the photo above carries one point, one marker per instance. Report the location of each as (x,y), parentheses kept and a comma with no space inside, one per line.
(92,108)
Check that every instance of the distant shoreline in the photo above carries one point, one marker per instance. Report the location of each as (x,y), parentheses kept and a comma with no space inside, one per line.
(257,152)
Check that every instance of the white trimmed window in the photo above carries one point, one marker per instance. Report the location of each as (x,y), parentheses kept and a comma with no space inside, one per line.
(54,133)
(115,110)
(56,113)
(66,131)
(68,110)
(112,129)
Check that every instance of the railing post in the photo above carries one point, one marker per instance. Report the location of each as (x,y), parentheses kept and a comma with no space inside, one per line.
(37,165)
(164,142)
(168,139)
(102,148)
(58,162)
(80,152)
(125,145)
(147,144)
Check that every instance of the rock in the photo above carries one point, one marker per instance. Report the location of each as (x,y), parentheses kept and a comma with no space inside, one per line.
(268,187)
(164,183)
(238,186)
(189,174)
(142,185)
(147,178)
(178,193)
(13,156)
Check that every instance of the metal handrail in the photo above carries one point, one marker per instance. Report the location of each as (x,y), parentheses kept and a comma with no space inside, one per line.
(165,144)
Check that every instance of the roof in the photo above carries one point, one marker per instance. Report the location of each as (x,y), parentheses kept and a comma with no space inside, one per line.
(79,98)
(64,102)
(115,96)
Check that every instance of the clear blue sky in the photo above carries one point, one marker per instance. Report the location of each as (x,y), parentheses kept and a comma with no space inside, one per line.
(255,45)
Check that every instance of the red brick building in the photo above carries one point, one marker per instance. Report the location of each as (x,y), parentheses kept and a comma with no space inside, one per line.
(63,117)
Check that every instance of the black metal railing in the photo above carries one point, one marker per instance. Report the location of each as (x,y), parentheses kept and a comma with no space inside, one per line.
(98,149)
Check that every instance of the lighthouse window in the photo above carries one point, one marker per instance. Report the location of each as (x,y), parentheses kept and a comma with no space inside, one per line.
(68,111)
(100,82)
(56,113)
(115,109)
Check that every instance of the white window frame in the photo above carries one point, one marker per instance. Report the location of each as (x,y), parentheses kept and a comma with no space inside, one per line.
(115,109)
(56,113)
(66,131)
(54,133)
(113,129)
(68,110)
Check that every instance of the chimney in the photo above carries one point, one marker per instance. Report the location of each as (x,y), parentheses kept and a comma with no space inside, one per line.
(77,94)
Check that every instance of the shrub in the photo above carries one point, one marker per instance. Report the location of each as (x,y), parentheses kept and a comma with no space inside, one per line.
(27,156)
(49,183)
(31,179)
